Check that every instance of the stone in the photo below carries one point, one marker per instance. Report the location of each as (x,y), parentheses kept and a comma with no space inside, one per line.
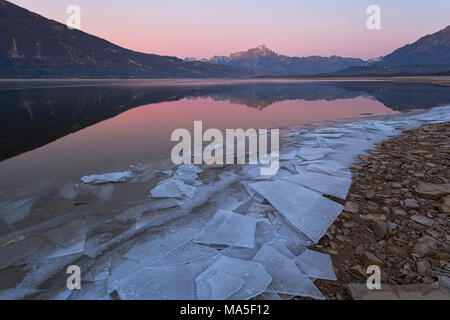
(420,152)
(351,207)
(369,259)
(411,204)
(422,248)
(422,220)
(371,195)
(380,229)
(422,266)
(398,212)
(373,217)
(445,206)
(432,191)
(358,271)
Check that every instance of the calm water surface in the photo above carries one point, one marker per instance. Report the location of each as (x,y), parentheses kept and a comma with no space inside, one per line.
(55,131)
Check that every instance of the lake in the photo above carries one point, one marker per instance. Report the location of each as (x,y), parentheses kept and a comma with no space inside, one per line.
(56,130)
(53,133)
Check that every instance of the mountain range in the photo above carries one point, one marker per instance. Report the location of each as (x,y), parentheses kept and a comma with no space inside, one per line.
(32,46)
(266,60)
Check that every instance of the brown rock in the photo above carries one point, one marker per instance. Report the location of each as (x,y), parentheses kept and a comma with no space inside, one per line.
(372,217)
(380,229)
(371,195)
(424,245)
(411,204)
(422,267)
(432,191)
(398,212)
(333,245)
(422,220)
(420,152)
(358,271)
(445,207)
(369,259)
(351,207)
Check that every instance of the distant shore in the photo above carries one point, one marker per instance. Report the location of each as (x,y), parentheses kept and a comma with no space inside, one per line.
(303,78)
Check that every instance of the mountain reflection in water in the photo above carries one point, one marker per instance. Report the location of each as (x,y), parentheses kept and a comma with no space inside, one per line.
(32,117)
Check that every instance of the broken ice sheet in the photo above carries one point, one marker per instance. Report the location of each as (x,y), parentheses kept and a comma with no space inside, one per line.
(269,296)
(334,186)
(187,172)
(265,231)
(306,210)
(288,166)
(229,228)
(316,265)
(159,283)
(239,253)
(16,252)
(219,286)
(286,276)
(102,192)
(327,134)
(255,278)
(383,127)
(114,177)
(14,211)
(295,241)
(329,167)
(252,193)
(173,188)
(253,172)
(186,253)
(70,238)
(309,154)
(289,155)
(69,191)
(160,245)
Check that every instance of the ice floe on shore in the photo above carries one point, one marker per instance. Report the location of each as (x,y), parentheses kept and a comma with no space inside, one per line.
(251,242)
(114,177)
(229,228)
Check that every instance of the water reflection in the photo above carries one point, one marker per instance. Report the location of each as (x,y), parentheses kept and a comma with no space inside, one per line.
(33,117)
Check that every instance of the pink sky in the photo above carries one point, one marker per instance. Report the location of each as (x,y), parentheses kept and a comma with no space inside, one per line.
(203,28)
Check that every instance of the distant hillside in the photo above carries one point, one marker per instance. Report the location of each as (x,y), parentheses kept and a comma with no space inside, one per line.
(32,46)
(432,49)
(264,59)
(429,55)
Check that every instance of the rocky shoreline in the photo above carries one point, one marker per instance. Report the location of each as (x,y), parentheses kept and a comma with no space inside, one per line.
(396,216)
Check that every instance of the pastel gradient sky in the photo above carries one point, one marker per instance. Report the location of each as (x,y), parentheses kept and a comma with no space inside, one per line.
(203,28)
